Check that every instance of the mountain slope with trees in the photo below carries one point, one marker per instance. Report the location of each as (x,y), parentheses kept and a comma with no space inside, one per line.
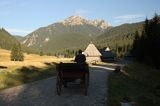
(67,36)
(18,37)
(69,33)
(120,38)
(67,41)
(77,32)
(6,39)
(119,34)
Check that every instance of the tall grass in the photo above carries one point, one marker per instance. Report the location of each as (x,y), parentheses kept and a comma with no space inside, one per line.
(138,82)
(34,67)
(25,75)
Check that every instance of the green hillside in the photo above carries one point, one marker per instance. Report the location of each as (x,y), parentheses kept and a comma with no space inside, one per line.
(18,37)
(6,40)
(66,41)
(56,30)
(70,33)
(116,37)
(77,32)
(70,38)
(119,36)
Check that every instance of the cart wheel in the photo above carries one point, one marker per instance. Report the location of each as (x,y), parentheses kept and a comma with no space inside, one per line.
(86,83)
(58,86)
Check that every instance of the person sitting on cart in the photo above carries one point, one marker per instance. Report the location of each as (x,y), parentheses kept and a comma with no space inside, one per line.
(80,58)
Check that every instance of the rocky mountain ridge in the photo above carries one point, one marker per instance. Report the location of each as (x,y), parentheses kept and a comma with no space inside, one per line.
(74,25)
(79,20)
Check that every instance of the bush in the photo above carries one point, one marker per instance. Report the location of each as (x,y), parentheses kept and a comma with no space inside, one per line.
(16,53)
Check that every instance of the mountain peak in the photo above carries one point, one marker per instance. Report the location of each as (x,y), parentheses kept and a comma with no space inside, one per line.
(74,20)
(73,25)
(75,17)
(79,20)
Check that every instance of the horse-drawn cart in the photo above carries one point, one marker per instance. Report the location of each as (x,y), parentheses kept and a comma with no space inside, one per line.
(70,72)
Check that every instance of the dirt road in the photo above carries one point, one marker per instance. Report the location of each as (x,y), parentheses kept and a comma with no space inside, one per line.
(43,93)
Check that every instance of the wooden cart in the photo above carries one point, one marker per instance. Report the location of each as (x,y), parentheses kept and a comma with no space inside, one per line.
(70,72)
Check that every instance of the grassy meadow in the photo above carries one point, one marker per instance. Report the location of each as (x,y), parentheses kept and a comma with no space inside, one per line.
(138,82)
(34,67)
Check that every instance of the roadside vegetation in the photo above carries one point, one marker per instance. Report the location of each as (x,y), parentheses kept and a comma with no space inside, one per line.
(138,82)
(25,75)
(33,68)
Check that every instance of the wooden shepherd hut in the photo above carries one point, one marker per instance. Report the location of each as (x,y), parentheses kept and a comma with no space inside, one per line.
(92,54)
(108,55)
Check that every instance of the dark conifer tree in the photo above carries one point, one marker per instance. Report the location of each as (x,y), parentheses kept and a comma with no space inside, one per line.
(16,53)
(147,47)
(41,53)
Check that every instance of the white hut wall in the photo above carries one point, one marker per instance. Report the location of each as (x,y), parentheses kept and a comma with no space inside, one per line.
(92,59)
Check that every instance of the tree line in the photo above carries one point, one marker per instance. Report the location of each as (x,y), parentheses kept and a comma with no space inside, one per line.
(146,45)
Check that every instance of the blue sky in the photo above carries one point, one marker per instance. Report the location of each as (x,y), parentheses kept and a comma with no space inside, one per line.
(21,17)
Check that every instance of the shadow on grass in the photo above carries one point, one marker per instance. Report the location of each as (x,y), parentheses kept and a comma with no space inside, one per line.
(141,84)
(26,75)
(43,93)
(3,67)
(32,73)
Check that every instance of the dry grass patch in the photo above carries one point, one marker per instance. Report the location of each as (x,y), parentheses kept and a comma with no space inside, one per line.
(33,68)
(29,60)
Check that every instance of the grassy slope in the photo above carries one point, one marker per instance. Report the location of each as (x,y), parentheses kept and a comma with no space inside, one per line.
(34,68)
(18,37)
(67,41)
(123,29)
(120,35)
(62,36)
(139,82)
(6,40)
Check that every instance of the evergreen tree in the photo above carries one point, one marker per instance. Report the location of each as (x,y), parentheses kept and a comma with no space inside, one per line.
(41,53)
(147,47)
(135,48)
(16,53)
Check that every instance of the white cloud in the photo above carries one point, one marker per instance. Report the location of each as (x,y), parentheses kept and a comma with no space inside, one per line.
(129,18)
(18,31)
(80,12)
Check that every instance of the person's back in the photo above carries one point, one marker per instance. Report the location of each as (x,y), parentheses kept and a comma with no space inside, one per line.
(80,58)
